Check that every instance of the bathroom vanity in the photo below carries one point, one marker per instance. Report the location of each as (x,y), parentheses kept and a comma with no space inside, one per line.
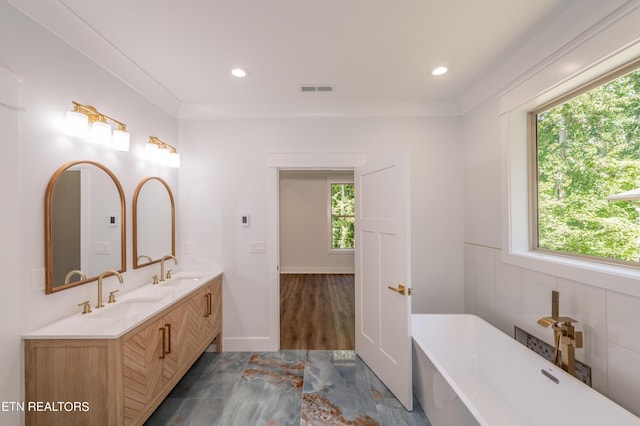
(115,365)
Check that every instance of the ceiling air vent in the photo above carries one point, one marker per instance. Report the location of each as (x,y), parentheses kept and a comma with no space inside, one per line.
(307,88)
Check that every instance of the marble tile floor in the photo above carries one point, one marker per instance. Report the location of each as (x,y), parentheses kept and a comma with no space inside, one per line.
(293,387)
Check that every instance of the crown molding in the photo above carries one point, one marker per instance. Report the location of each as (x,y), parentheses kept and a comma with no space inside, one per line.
(57,18)
(578,23)
(306,109)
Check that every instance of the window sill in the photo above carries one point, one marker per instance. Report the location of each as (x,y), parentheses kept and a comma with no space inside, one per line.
(341,251)
(610,277)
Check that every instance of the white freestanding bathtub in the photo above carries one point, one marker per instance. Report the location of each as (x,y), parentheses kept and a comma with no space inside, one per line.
(466,372)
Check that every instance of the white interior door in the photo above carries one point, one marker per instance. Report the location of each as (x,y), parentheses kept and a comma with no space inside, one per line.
(382,263)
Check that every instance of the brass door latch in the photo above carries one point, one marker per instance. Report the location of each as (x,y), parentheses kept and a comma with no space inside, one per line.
(401,289)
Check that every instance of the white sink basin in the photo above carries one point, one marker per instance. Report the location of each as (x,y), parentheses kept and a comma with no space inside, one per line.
(180,282)
(124,309)
(154,292)
(189,274)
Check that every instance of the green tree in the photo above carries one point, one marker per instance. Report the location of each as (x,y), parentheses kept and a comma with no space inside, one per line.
(588,149)
(342,215)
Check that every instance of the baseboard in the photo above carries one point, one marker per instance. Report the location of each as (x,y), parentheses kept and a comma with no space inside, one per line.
(317,270)
(250,344)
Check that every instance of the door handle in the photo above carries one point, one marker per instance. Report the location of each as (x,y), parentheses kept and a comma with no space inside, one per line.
(401,289)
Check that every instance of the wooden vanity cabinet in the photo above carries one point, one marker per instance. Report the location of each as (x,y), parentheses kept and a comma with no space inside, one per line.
(211,303)
(122,380)
(152,358)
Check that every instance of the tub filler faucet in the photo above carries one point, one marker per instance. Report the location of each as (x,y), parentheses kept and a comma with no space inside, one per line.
(565,338)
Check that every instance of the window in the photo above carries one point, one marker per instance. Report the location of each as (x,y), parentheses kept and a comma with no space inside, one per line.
(342,215)
(587,148)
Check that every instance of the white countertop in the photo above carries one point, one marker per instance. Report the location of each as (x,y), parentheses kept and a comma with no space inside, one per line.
(129,310)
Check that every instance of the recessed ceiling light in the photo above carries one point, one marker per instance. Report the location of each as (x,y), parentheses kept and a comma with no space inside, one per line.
(239,72)
(439,70)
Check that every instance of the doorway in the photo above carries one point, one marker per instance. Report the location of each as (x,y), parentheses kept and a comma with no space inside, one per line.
(392,334)
(317,312)
(317,294)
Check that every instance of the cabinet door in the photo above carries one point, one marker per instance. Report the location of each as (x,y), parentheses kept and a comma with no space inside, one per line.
(211,319)
(143,378)
(216,308)
(179,341)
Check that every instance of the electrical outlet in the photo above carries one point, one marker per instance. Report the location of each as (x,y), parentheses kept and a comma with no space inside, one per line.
(37,279)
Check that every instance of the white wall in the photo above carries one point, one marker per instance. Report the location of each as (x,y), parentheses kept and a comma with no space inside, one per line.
(227,176)
(53,75)
(482,190)
(10,224)
(506,293)
(305,224)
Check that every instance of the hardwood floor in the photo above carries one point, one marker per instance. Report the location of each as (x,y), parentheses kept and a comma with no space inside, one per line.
(317,311)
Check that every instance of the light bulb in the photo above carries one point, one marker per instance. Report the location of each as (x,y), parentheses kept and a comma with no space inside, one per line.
(163,155)
(239,72)
(439,70)
(120,140)
(100,132)
(77,123)
(174,160)
(151,151)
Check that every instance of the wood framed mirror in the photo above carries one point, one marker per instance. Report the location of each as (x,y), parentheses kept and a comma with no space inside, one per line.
(153,222)
(84,225)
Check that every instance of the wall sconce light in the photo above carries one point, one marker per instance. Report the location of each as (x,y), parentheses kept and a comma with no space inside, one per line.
(85,120)
(162,152)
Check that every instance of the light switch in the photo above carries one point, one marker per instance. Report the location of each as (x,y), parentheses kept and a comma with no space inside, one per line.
(257,247)
(101,248)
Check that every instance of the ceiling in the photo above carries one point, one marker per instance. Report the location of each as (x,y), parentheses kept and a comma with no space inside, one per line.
(369,50)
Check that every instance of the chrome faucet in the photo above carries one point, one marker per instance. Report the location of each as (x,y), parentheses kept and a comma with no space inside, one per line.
(565,338)
(67,279)
(106,274)
(175,262)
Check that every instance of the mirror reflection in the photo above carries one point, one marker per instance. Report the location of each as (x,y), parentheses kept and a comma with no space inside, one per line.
(153,222)
(85,235)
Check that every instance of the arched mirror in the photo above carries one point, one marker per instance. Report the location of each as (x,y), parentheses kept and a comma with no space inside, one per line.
(153,222)
(84,229)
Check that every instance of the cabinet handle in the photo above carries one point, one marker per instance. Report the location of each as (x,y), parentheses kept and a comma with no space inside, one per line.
(168,327)
(207,298)
(209,305)
(164,338)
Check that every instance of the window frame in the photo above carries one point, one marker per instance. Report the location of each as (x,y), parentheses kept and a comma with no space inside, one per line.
(330,182)
(532,162)
(579,61)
